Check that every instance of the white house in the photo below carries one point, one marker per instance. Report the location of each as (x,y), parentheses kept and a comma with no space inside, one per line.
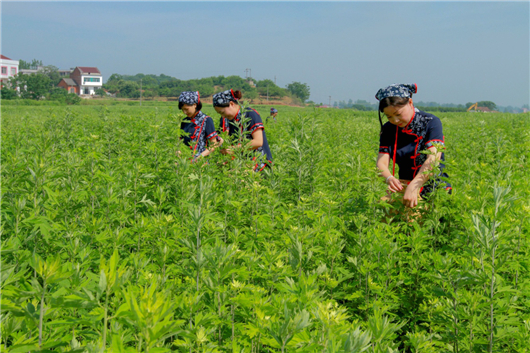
(88,79)
(8,69)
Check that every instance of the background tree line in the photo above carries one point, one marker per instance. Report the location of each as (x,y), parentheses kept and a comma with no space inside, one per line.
(127,86)
(43,85)
(364,105)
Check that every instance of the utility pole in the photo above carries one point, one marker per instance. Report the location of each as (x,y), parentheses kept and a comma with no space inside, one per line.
(267,93)
(140,92)
(274,79)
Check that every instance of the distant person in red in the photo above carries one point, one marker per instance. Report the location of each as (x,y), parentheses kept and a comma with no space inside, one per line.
(273,114)
(407,133)
(201,137)
(227,105)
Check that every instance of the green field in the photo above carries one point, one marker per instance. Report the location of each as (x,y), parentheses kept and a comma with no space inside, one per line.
(110,243)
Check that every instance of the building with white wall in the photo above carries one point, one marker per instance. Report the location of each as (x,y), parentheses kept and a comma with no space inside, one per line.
(88,79)
(8,69)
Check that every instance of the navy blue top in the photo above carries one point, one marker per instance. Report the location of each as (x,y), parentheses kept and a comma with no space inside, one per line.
(185,122)
(253,122)
(199,130)
(421,132)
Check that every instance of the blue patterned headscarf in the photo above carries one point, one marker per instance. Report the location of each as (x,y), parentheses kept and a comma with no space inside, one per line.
(395,90)
(223,98)
(189,97)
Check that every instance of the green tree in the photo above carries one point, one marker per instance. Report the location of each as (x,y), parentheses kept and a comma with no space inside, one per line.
(33,86)
(206,90)
(115,77)
(57,94)
(26,65)
(218,81)
(300,90)
(8,93)
(113,83)
(100,92)
(251,93)
(53,74)
(128,89)
(269,86)
(234,82)
(488,104)
(72,98)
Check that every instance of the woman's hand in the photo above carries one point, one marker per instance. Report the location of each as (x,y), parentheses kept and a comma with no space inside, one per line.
(227,150)
(394,184)
(410,199)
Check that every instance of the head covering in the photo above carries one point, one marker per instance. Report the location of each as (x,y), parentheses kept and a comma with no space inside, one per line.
(223,98)
(395,90)
(274,110)
(189,97)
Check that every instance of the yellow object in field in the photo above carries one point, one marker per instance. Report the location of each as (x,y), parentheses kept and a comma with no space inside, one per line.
(474,106)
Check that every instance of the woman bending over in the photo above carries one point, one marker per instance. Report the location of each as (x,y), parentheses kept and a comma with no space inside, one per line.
(227,105)
(407,134)
(201,137)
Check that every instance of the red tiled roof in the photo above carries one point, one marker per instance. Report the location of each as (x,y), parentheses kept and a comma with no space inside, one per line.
(4,57)
(89,70)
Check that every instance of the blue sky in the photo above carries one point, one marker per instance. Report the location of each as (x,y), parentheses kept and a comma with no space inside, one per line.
(456,52)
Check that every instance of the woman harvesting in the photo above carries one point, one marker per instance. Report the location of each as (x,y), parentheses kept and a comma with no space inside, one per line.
(227,105)
(273,114)
(200,130)
(407,134)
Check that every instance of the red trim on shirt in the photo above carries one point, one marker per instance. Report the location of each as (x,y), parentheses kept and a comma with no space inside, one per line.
(413,116)
(417,140)
(394,158)
(235,116)
(193,117)
(259,127)
(442,141)
(212,135)
(199,134)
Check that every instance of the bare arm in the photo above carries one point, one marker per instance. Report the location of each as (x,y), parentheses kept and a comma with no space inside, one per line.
(383,160)
(257,139)
(255,143)
(213,143)
(410,198)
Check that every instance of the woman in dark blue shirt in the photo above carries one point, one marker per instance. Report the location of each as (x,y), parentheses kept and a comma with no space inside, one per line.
(200,130)
(407,133)
(227,105)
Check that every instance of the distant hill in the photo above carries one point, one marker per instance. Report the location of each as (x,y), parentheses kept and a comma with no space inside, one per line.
(165,87)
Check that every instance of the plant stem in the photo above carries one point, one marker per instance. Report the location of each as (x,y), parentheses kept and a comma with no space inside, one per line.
(41,316)
(105,320)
